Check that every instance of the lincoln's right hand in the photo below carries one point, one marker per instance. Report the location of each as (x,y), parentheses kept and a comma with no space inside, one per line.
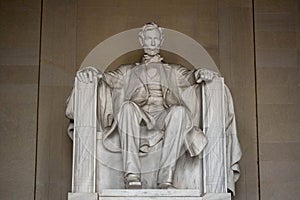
(88,74)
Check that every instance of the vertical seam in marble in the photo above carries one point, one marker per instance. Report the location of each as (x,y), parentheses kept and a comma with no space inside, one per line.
(38,99)
(256,97)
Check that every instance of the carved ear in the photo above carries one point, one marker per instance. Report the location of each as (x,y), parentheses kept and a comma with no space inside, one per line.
(162,41)
(141,41)
(162,37)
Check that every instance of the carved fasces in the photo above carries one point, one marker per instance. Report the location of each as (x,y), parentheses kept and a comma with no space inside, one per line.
(214,154)
(84,138)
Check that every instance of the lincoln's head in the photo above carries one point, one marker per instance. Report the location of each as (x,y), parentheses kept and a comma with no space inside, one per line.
(151,38)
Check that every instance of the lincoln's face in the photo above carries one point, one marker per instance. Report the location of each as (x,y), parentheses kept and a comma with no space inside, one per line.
(152,42)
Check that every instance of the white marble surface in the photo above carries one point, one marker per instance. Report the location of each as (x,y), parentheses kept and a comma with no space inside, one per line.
(82,196)
(151,193)
(160,195)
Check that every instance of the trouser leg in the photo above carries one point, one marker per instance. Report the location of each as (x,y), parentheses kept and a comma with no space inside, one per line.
(176,125)
(129,130)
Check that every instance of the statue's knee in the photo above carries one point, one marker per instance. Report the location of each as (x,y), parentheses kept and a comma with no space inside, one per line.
(177,113)
(128,107)
(179,110)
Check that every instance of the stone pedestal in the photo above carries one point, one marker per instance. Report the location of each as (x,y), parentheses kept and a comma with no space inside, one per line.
(149,194)
(82,196)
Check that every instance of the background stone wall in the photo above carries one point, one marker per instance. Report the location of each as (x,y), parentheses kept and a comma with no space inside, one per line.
(277,26)
(43,42)
(19,76)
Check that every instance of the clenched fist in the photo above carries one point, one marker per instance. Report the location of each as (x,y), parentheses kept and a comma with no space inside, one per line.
(205,75)
(88,74)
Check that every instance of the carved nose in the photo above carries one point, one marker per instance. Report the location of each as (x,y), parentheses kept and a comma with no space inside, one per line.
(153,42)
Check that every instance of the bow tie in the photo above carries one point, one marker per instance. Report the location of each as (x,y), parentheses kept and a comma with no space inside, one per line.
(152,59)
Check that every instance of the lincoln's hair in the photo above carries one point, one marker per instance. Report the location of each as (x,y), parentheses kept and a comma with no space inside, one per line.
(151,26)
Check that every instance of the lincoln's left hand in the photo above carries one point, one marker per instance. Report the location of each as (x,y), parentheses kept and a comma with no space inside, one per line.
(205,75)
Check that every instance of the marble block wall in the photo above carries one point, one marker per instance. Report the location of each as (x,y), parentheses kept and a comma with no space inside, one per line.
(277,26)
(255,43)
(57,69)
(19,72)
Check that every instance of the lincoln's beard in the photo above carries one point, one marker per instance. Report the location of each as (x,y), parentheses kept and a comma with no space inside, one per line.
(151,52)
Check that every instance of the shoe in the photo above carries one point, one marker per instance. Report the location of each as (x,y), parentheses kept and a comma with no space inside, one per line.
(132,181)
(166,186)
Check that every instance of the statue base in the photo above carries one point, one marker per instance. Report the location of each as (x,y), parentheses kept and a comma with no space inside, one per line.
(149,194)
(82,196)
